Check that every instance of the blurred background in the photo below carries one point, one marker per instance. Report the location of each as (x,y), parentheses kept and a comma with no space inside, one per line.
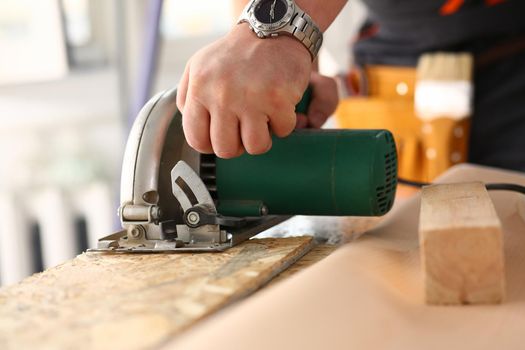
(73,75)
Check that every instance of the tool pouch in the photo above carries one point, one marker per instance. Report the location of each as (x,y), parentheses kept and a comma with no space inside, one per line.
(431,128)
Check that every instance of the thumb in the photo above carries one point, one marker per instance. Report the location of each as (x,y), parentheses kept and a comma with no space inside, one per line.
(302,121)
(324,101)
(317,119)
(318,112)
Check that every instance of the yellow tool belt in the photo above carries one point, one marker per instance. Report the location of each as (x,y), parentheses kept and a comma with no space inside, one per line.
(425,148)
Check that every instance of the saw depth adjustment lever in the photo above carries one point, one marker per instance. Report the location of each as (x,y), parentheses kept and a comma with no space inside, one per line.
(199,215)
(196,201)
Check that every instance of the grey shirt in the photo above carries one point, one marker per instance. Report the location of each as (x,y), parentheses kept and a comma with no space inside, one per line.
(398,31)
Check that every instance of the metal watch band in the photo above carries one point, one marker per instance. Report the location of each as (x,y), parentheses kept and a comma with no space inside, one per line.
(303,28)
(298,24)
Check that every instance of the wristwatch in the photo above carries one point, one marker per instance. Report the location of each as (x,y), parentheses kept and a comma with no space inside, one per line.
(271,18)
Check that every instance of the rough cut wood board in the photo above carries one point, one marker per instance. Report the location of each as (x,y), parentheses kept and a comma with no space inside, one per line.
(316,254)
(104,301)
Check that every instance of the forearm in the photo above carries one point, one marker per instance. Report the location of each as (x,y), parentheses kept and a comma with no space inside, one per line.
(322,12)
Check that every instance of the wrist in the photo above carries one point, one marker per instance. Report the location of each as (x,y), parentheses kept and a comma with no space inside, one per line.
(274,18)
(282,43)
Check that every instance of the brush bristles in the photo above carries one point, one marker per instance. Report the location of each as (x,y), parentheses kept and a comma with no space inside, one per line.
(445,66)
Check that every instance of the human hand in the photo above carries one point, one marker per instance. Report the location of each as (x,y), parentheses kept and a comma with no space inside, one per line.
(238,90)
(324,102)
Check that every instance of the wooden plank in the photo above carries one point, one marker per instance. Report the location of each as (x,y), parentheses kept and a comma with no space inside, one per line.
(461,245)
(135,301)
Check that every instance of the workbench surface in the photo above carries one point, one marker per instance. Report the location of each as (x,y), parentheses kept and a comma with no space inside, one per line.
(369,294)
(365,294)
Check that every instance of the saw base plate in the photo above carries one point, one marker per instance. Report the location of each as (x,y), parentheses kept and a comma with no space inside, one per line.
(118,243)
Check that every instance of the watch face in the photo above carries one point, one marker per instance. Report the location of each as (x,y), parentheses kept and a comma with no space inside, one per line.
(270,11)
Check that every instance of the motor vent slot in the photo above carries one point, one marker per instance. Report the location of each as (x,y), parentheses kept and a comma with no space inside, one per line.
(208,174)
(386,192)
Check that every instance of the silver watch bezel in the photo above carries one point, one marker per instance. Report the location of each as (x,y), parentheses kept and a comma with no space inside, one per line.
(270,28)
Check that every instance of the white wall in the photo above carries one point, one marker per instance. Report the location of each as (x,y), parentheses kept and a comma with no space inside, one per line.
(335,56)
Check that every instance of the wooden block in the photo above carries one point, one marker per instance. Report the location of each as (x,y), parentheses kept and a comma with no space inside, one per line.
(461,245)
(135,301)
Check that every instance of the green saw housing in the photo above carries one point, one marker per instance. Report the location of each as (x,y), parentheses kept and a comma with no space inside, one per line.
(312,172)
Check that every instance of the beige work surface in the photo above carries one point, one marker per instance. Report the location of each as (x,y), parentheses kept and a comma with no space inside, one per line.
(369,295)
(135,301)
